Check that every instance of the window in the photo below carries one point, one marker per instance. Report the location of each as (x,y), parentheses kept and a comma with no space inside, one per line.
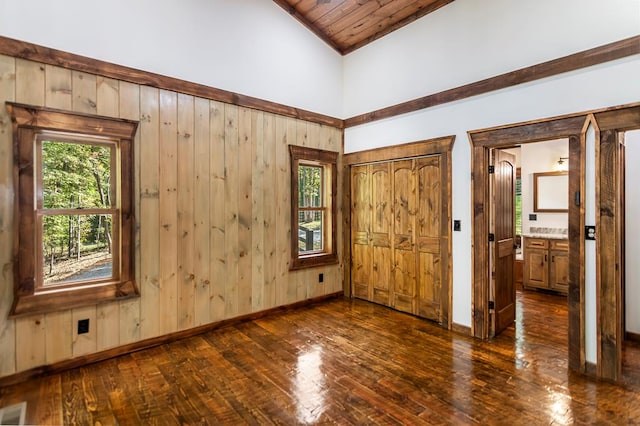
(313,207)
(74,199)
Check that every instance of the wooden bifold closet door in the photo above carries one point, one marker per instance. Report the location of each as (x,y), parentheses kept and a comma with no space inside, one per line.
(399,236)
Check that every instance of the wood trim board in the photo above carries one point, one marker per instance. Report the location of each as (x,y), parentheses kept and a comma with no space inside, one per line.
(611,125)
(586,58)
(397,152)
(461,329)
(634,337)
(388,30)
(46,55)
(304,21)
(601,54)
(352,47)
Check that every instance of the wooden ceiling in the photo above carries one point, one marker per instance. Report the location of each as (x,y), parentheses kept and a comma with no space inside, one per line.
(347,25)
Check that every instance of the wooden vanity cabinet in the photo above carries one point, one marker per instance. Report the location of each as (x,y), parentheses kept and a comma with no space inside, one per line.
(559,266)
(546,264)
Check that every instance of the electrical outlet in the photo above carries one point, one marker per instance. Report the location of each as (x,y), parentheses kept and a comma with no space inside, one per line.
(83,326)
(320,277)
(533,216)
(590,232)
(457,226)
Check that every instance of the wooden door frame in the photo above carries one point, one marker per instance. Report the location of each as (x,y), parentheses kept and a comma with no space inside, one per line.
(608,123)
(493,253)
(442,146)
(611,124)
(572,127)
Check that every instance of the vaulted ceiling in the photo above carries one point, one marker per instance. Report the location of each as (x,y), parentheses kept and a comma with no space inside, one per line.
(347,25)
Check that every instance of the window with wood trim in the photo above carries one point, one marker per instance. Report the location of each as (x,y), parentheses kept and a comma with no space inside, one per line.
(314,184)
(74,238)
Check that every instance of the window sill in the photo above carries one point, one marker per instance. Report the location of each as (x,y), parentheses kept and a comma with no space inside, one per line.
(51,301)
(313,261)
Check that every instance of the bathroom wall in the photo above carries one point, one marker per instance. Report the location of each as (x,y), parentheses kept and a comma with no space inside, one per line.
(536,158)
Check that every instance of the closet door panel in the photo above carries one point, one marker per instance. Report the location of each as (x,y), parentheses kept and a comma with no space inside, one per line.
(428,235)
(381,275)
(361,270)
(404,256)
(399,217)
(429,285)
(381,188)
(360,231)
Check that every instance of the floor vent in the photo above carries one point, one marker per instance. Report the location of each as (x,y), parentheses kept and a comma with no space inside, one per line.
(13,414)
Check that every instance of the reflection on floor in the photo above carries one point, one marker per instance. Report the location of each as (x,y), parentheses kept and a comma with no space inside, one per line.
(541,332)
(631,363)
(339,362)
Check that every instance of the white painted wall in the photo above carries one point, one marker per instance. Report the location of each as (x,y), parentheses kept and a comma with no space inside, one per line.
(252,47)
(469,40)
(632,141)
(605,85)
(535,158)
(590,302)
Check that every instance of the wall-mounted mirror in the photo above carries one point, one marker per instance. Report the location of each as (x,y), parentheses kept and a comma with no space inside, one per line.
(551,192)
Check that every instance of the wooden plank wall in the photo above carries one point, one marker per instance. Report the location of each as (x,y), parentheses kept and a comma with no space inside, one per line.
(212,214)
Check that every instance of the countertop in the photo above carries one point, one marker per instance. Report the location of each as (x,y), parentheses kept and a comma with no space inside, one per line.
(548,236)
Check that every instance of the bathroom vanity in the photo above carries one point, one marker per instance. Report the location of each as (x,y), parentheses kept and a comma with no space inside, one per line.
(546,262)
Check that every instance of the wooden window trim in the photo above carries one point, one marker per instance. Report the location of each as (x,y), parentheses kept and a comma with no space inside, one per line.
(329,160)
(27,122)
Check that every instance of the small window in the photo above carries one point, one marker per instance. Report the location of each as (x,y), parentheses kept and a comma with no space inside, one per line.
(74,199)
(313,207)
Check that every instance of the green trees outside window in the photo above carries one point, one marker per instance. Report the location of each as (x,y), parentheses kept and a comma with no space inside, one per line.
(76,176)
(311,209)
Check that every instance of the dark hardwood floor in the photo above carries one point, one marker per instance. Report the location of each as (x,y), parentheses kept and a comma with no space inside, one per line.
(342,362)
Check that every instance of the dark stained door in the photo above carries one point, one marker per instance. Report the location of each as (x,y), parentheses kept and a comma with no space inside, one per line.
(504,230)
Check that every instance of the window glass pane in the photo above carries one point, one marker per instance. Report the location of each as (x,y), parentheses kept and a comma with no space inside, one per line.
(309,186)
(76,248)
(75,175)
(310,231)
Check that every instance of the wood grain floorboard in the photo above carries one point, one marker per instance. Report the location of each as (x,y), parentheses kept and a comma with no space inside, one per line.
(344,362)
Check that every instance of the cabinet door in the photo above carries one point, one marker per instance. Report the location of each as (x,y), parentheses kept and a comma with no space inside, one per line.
(559,271)
(536,269)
